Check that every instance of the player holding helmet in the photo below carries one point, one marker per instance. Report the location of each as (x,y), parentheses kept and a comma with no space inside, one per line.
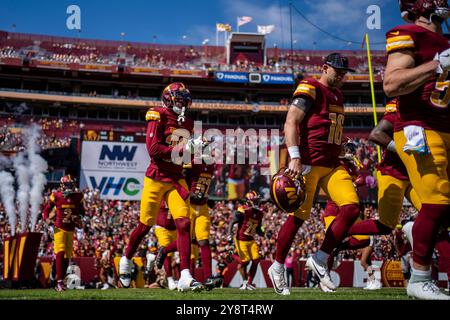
(315,123)
(249,219)
(167,132)
(69,207)
(417,71)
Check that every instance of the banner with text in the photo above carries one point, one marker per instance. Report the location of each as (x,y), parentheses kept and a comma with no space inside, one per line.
(116,169)
(254,77)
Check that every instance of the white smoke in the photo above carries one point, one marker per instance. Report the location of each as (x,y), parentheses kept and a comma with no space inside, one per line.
(38,166)
(4,162)
(7,196)
(23,192)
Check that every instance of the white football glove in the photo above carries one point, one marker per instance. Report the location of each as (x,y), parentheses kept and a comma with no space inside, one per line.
(444,60)
(192,144)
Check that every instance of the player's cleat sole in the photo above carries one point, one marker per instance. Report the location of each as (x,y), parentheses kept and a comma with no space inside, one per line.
(192,285)
(250,287)
(426,290)
(324,288)
(278,281)
(210,283)
(321,272)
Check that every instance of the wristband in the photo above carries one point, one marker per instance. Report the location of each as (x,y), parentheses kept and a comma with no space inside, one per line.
(294,152)
(391,146)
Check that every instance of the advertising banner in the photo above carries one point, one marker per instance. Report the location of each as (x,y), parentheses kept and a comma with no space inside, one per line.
(116,169)
(237,77)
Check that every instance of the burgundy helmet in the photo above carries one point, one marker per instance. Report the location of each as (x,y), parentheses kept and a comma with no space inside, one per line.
(287,193)
(252,198)
(411,10)
(67,184)
(176,96)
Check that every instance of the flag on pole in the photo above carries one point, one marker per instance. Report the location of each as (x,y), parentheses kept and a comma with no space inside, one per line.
(243,20)
(266,29)
(221,27)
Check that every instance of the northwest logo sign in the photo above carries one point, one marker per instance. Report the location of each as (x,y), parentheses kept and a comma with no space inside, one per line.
(130,186)
(118,157)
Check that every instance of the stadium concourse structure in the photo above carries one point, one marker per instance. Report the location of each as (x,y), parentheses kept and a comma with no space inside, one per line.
(109,85)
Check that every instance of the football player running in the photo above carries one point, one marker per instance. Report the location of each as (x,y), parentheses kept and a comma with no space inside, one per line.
(313,133)
(249,219)
(69,207)
(167,131)
(198,178)
(417,71)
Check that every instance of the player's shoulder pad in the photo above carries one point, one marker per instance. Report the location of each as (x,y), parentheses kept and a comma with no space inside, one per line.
(400,38)
(391,106)
(53,196)
(307,88)
(241,209)
(153,114)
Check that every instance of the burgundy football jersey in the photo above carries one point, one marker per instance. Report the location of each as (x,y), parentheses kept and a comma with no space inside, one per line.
(164,218)
(67,209)
(199,178)
(321,129)
(252,218)
(427,106)
(162,127)
(391,164)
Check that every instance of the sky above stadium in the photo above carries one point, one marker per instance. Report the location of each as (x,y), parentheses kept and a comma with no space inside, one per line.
(343,23)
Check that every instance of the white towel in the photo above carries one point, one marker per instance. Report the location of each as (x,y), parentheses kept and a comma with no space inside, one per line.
(416,141)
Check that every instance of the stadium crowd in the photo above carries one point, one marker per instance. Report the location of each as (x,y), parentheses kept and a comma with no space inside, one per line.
(107,225)
(186,57)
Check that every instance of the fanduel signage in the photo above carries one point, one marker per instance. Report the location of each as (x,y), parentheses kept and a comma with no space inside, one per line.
(254,77)
(240,77)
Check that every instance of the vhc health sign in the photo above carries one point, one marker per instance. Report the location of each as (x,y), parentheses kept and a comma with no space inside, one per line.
(115,164)
(254,77)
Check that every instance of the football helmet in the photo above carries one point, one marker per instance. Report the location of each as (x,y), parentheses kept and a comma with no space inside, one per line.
(67,184)
(252,198)
(178,98)
(287,193)
(411,10)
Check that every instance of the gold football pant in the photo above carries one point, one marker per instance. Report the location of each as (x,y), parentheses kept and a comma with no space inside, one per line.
(63,242)
(391,192)
(153,193)
(428,173)
(247,250)
(337,184)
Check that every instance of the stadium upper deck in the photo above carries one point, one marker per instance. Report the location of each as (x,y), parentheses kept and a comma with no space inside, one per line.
(104,55)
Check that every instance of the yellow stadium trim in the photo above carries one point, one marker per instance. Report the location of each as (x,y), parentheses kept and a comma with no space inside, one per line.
(336,108)
(152,116)
(400,38)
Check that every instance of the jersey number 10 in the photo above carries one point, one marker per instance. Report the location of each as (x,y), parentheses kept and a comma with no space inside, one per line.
(336,128)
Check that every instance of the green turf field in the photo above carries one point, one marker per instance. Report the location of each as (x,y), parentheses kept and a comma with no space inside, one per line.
(216,294)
